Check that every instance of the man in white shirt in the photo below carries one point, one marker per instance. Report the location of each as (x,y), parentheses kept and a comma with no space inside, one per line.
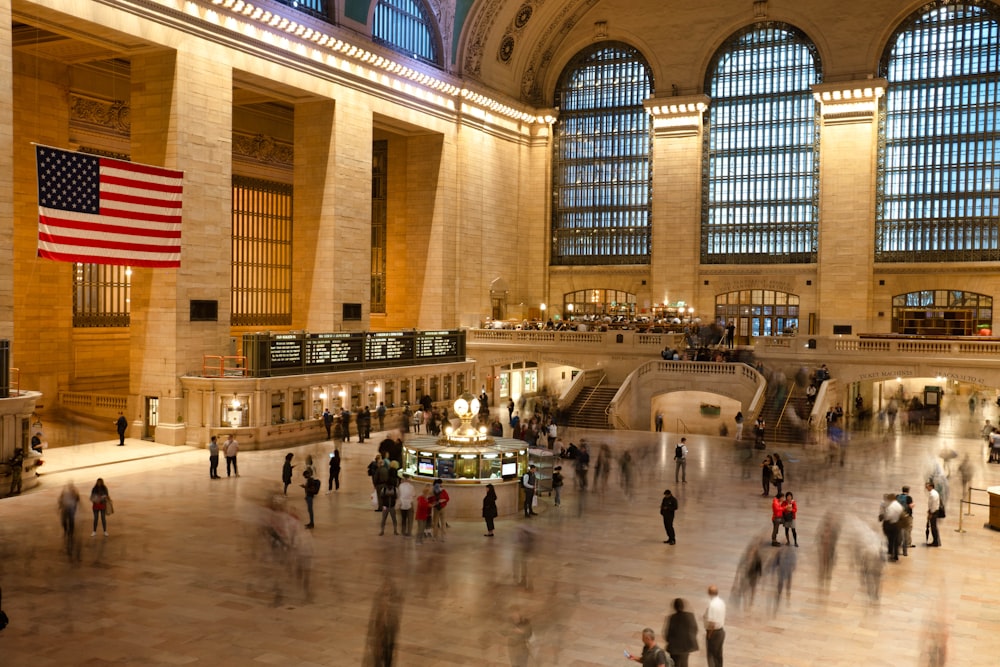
(715,622)
(231,449)
(681,458)
(891,515)
(933,505)
(406,495)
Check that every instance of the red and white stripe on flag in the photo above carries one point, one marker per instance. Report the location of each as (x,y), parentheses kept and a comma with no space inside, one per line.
(106,211)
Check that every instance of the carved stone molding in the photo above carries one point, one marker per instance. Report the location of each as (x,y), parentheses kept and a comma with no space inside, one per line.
(263,149)
(508,41)
(444,12)
(547,44)
(103,116)
(479,33)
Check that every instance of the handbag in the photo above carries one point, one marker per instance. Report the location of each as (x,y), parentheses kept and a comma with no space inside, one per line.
(940,511)
(109,507)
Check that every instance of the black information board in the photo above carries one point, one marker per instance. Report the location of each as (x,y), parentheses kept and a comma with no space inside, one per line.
(275,354)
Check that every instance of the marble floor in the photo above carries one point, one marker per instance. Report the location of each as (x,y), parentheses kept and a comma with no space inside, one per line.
(186,575)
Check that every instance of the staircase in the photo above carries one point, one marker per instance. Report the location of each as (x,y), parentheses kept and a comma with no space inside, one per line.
(782,425)
(589,410)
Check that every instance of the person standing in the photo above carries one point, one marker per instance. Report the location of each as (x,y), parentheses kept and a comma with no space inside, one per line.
(765,475)
(345,423)
(387,501)
(231,449)
(380,412)
(789,510)
(658,421)
(933,513)
(668,506)
(438,504)
(312,486)
(100,499)
(423,514)
(778,471)
(890,517)
(213,458)
(557,484)
(680,633)
(510,411)
(730,334)
(16,469)
(334,471)
(715,627)
(776,517)
(739,425)
(528,481)
(652,655)
(405,497)
(286,472)
(906,521)
(328,422)
(681,462)
(489,509)
(121,425)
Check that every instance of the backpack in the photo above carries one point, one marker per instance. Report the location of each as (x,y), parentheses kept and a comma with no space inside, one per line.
(678,452)
(312,486)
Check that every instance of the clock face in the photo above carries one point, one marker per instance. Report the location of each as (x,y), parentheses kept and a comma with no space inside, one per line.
(474,405)
(462,406)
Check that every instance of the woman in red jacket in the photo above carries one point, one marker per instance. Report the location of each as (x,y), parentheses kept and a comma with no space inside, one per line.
(789,509)
(423,513)
(777,510)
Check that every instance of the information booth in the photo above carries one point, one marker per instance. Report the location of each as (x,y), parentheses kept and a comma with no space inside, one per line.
(466,459)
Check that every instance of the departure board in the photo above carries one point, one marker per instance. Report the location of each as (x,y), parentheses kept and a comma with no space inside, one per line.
(334,348)
(436,344)
(277,354)
(286,351)
(388,347)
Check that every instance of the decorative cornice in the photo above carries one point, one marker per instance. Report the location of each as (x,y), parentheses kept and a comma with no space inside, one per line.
(263,149)
(849,101)
(479,32)
(677,116)
(105,116)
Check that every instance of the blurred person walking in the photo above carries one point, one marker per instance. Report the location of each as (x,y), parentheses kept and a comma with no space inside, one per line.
(69,501)
(680,633)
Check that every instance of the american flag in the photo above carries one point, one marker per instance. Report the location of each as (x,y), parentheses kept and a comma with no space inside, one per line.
(105,211)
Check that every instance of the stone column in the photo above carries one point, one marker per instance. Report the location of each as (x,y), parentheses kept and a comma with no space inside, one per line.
(676,242)
(6,176)
(845,261)
(182,119)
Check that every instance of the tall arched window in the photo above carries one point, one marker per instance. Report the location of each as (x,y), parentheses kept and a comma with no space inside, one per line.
(601,173)
(760,196)
(938,174)
(406,26)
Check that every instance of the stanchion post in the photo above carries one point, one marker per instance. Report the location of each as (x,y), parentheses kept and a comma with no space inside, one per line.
(960,529)
(968,512)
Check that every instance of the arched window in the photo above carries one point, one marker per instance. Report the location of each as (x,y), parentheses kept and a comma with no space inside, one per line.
(761,161)
(758,312)
(406,26)
(941,313)
(938,174)
(601,174)
(599,302)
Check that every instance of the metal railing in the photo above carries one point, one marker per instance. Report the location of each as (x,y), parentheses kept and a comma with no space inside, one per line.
(218,366)
(968,504)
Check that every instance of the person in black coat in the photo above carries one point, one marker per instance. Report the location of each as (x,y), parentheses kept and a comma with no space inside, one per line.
(286,472)
(334,471)
(668,506)
(489,509)
(680,633)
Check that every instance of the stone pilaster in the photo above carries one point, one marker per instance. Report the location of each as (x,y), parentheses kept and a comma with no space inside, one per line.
(6,175)
(676,238)
(182,119)
(848,144)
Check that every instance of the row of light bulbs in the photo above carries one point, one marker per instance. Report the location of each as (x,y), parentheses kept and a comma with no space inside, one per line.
(322,39)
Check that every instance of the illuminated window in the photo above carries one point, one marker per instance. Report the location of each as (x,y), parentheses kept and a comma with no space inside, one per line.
(319,8)
(761,160)
(101,295)
(939,180)
(262,252)
(406,26)
(380,174)
(941,313)
(601,168)
(758,312)
(602,302)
